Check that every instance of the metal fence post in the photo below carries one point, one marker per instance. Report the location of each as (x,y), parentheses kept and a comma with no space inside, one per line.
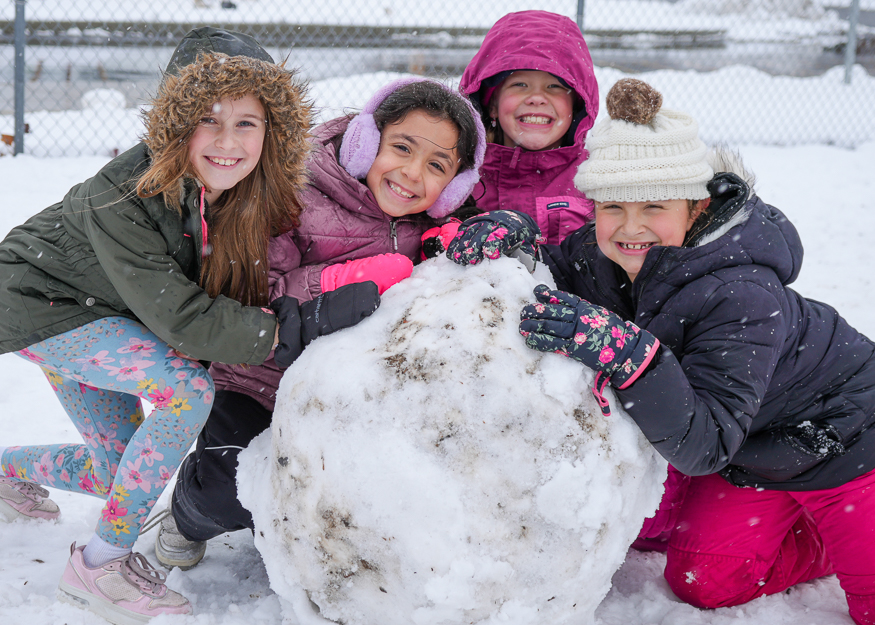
(851,50)
(19,77)
(580,4)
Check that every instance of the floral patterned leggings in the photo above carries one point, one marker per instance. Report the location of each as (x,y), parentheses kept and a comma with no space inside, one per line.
(100,371)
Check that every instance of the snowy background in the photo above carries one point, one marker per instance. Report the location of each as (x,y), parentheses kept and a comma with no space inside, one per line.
(807,16)
(827,191)
(780,37)
(743,106)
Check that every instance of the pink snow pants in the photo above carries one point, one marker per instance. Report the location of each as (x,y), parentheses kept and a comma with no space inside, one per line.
(656,530)
(731,545)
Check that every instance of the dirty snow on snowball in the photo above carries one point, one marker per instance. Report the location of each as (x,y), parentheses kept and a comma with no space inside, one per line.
(425,467)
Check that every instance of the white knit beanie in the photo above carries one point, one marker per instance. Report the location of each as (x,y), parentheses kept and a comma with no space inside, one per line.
(643,153)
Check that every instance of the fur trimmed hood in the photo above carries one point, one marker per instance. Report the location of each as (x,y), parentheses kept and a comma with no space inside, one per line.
(723,160)
(724,215)
(185,97)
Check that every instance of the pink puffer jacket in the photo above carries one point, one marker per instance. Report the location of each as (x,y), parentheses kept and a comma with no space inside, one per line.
(341,221)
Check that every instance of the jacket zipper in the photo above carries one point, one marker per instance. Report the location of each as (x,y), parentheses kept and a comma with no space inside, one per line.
(637,292)
(595,280)
(394,234)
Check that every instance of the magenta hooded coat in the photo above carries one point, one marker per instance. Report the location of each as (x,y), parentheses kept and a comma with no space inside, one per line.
(341,221)
(537,183)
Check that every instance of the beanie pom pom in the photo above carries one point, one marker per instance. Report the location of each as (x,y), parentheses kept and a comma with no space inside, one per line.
(633,101)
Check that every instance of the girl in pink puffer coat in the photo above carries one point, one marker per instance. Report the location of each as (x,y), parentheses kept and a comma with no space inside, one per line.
(377,182)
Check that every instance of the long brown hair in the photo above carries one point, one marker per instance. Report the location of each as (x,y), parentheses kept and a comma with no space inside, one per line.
(241,224)
(265,203)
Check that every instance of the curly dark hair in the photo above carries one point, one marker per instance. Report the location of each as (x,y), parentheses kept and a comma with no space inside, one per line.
(438,102)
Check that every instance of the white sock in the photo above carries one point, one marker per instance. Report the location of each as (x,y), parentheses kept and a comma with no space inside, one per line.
(98,552)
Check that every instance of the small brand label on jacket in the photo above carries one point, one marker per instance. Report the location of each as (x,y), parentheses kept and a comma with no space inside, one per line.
(558,205)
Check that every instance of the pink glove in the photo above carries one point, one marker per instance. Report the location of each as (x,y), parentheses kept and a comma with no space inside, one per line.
(436,240)
(383,269)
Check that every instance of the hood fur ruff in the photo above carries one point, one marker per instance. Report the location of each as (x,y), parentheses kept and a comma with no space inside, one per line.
(183,99)
(724,160)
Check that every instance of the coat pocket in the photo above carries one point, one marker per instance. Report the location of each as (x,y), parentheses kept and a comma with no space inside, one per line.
(561,215)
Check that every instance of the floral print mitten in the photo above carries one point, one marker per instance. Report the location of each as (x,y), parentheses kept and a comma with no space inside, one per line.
(494,234)
(618,351)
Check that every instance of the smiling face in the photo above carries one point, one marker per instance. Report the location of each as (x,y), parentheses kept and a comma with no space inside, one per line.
(416,161)
(226,144)
(534,110)
(625,231)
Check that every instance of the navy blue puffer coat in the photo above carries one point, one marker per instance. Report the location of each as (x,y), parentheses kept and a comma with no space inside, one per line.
(753,381)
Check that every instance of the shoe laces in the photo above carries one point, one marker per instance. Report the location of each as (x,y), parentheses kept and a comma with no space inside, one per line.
(137,571)
(155,521)
(31,490)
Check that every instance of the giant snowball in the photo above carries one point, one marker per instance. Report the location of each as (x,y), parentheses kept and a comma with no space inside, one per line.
(427,468)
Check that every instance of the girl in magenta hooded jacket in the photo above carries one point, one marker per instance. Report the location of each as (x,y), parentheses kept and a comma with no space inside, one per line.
(533,82)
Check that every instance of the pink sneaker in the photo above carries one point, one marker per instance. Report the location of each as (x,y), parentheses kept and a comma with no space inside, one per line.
(19,498)
(124,591)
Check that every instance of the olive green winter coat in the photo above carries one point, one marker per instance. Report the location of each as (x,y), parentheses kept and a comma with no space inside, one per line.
(102,252)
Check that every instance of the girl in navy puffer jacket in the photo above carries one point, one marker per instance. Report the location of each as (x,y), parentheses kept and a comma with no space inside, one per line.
(378,184)
(766,399)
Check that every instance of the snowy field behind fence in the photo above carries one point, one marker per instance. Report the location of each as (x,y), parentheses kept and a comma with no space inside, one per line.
(722,55)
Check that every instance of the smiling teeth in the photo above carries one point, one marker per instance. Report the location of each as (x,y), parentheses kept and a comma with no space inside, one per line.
(636,246)
(224,161)
(534,119)
(400,191)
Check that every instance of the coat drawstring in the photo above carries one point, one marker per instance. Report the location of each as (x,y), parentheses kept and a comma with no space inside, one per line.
(516,156)
(203,225)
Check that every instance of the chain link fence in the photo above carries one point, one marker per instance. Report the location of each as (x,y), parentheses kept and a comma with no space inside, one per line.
(88,65)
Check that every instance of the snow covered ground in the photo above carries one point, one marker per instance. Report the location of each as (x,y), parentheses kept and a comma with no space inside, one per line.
(827,192)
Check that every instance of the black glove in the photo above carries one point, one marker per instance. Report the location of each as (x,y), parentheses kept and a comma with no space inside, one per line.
(330,312)
(432,247)
(492,234)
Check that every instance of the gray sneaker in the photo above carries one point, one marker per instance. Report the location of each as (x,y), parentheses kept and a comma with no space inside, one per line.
(173,549)
(20,498)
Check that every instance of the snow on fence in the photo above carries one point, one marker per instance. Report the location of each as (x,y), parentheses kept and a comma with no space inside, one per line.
(766,71)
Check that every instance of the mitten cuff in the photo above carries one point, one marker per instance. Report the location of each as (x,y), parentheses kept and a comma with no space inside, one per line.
(328,277)
(385,270)
(288,316)
(627,373)
(436,240)
(638,361)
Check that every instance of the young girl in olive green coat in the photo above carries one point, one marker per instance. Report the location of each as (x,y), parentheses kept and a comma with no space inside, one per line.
(154,264)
